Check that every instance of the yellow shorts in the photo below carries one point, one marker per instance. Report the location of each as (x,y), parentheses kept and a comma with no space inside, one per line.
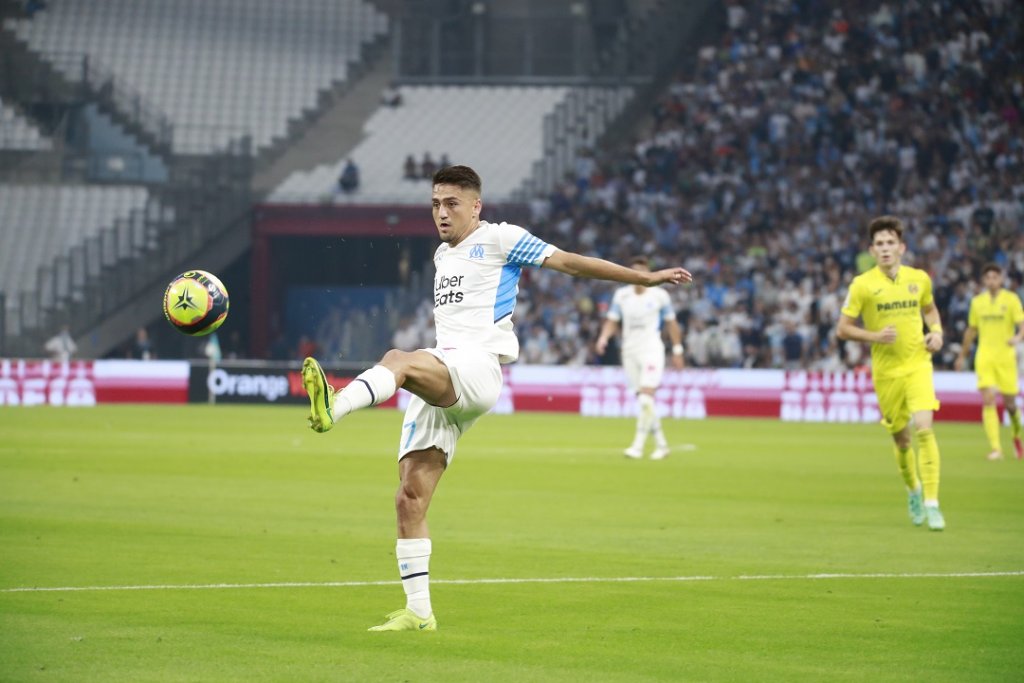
(998,373)
(901,397)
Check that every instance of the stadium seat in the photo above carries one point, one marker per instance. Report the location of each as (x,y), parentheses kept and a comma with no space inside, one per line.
(16,133)
(217,68)
(39,223)
(460,122)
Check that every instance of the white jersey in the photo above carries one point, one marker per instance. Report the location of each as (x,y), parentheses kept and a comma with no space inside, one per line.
(475,287)
(641,317)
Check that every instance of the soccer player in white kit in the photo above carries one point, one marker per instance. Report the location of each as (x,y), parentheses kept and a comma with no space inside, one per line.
(641,313)
(475,286)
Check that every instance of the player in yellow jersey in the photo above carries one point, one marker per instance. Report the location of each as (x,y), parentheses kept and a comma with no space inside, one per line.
(995,316)
(891,299)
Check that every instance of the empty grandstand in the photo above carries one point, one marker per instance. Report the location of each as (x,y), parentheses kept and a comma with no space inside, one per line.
(501,130)
(218,69)
(44,223)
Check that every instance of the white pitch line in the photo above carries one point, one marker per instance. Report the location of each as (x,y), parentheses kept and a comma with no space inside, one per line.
(554,579)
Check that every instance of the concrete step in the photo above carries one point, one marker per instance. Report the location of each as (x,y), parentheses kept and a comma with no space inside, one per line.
(334,133)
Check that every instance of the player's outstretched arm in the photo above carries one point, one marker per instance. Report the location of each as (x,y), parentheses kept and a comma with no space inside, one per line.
(578,265)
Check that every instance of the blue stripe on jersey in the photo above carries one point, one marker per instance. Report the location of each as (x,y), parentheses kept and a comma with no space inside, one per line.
(526,250)
(514,251)
(523,241)
(508,287)
(519,251)
(533,253)
(615,310)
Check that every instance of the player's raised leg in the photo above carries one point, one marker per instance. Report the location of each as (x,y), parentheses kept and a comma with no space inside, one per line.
(419,372)
(321,396)
(419,474)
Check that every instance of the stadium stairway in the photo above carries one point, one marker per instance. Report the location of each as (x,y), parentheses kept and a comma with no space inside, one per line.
(26,77)
(211,198)
(25,152)
(108,290)
(332,131)
(105,286)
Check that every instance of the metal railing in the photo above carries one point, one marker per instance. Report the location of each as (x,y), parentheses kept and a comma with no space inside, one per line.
(95,277)
(99,81)
(107,166)
(205,139)
(207,195)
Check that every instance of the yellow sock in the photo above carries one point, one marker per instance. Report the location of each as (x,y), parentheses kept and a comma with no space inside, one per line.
(928,461)
(906,460)
(1015,422)
(990,421)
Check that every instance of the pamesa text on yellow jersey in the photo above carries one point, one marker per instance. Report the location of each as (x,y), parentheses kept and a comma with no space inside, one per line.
(882,301)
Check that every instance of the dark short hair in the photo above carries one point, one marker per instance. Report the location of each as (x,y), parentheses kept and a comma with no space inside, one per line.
(460,176)
(883,223)
(991,267)
(639,260)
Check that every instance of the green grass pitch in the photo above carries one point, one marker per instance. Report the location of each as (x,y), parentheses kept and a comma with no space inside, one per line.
(181,497)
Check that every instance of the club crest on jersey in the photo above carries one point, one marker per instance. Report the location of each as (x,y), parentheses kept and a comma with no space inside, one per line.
(912,288)
(477,252)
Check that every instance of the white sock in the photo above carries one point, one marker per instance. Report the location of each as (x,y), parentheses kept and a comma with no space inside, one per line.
(659,436)
(374,386)
(931,503)
(644,418)
(413,566)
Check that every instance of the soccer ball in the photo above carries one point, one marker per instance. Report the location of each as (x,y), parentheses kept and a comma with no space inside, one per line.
(196,303)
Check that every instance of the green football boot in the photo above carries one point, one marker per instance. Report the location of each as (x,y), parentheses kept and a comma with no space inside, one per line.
(936,522)
(406,620)
(915,506)
(321,396)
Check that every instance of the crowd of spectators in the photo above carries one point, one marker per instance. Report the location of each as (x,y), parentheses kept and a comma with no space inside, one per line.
(761,166)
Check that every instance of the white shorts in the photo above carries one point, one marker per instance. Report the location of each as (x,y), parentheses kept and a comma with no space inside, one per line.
(644,370)
(476,376)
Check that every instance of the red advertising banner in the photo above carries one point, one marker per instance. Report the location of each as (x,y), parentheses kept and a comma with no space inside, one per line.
(796,396)
(86,383)
(799,396)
